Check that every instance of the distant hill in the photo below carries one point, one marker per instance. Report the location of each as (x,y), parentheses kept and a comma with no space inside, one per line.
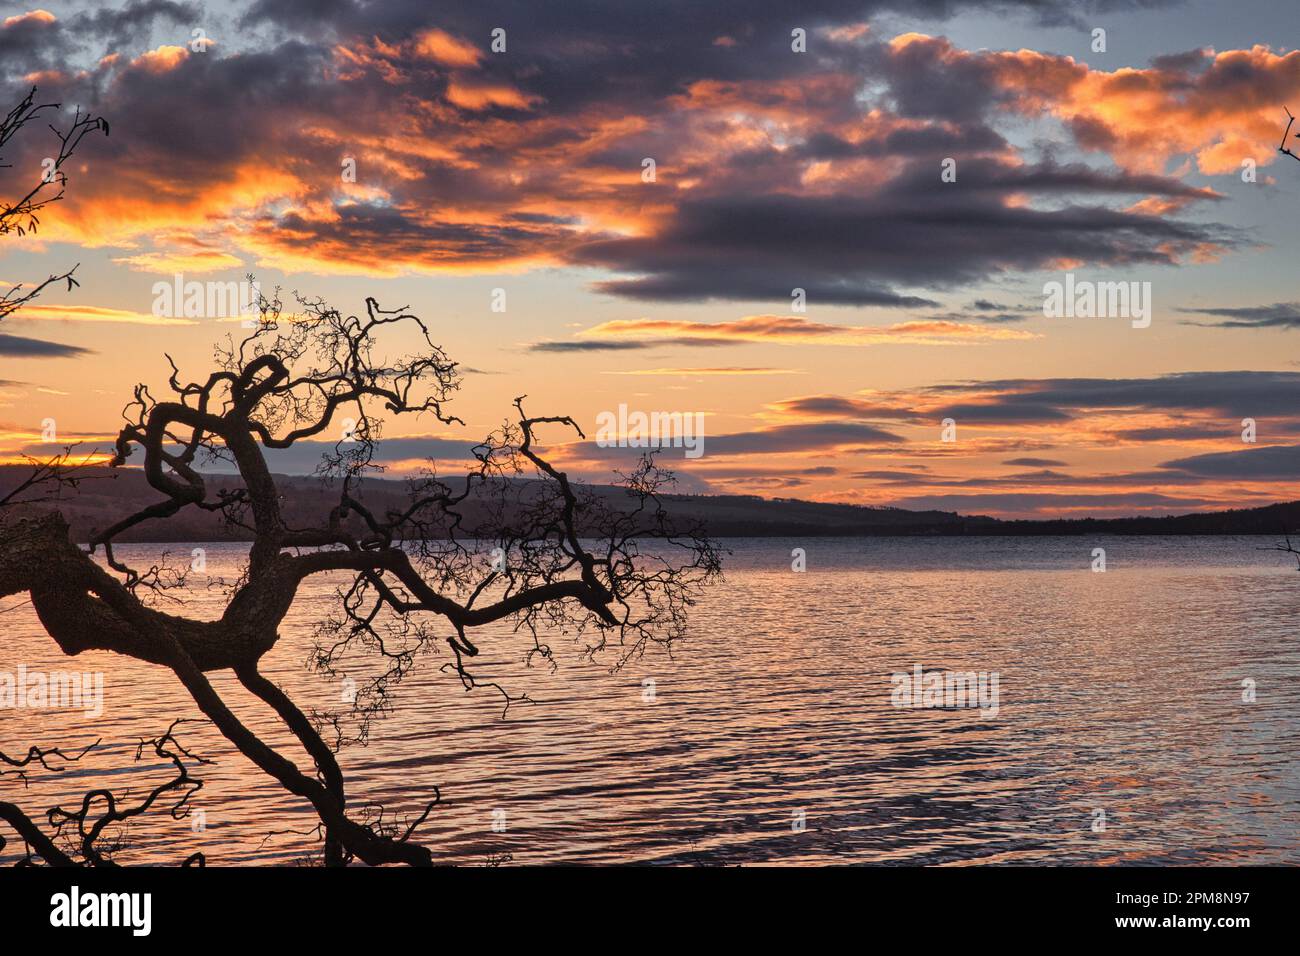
(110,495)
(747,516)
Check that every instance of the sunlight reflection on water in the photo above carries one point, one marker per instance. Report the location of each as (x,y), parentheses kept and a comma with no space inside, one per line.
(1118,691)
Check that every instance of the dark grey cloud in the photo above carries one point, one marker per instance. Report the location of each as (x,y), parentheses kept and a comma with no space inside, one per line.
(17,346)
(596,30)
(645,52)
(984,310)
(29,44)
(914,141)
(1279,315)
(783,439)
(924,82)
(120,25)
(1266,463)
(367,233)
(1186,62)
(745,237)
(846,407)
(799,437)
(851,249)
(303,457)
(742,472)
(200,121)
(642,53)
(1205,405)
(888,475)
(1047,476)
(1232,393)
(1052,505)
(991,313)
(625,345)
(1180,432)
(1077,178)
(33,43)
(579,345)
(996,413)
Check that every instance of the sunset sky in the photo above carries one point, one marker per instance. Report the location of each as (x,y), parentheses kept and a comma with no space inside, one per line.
(522,170)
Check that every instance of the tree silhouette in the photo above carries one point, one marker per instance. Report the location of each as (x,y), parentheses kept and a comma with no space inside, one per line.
(19,215)
(513,539)
(1282,148)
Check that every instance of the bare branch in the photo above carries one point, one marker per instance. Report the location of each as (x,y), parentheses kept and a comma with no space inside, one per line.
(20,214)
(608,570)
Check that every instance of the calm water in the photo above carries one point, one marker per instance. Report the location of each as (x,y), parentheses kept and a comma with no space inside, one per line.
(1119,692)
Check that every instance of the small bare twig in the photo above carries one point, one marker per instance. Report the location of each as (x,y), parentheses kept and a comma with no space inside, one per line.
(50,476)
(1290,119)
(1287,548)
(20,215)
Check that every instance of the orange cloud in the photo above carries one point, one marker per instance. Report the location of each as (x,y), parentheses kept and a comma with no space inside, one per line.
(442,47)
(197,261)
(797,331)
(162,60)
(33,16)
(1224,109)
(93,313)
(448,183)
(473,96)
(729,370)
(1230,112)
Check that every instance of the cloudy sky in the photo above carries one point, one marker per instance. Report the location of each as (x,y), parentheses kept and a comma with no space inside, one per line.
(524,170)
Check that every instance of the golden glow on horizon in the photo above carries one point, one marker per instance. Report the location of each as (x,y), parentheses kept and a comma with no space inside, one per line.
(532,189)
